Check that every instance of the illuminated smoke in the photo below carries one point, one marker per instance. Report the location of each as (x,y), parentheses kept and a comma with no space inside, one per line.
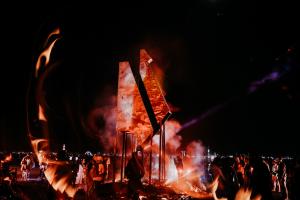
(101,122)
(173,141)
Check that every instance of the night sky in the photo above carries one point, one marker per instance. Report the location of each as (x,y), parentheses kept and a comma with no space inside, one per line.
(216,56)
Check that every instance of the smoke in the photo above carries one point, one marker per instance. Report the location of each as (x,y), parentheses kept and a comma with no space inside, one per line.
(101,121)
(196,150)
(173,141)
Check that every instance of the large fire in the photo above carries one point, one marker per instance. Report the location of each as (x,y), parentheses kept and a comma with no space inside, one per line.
(131,112)
(58,180)
(131,117)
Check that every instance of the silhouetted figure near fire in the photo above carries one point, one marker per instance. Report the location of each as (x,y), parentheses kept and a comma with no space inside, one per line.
(62,155)
(179,165)
(295,182)
(275,180)
(27,164)
(135,171)
(282,177)
(95,174)
(260,179)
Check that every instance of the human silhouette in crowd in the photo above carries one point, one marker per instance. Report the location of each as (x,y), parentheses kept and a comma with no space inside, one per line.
(135,171)
(282,177)
(275,180)
(81,173)
(240,170)
(260,178)
(97,171)
(62,155)
(27,164)
(179,165)
(295,182)
(223,170)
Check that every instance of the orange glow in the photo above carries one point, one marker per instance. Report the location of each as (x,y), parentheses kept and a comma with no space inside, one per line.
(60,182)
(41,114)
(125,101)
(154,91)
(185,180)
(131,113)
(8,158)
(46,53)
(243,194)
(55,32)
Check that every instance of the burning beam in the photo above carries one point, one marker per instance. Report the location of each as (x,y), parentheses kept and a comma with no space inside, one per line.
(141,106)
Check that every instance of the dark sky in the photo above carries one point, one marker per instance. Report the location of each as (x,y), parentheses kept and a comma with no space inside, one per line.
(210,50)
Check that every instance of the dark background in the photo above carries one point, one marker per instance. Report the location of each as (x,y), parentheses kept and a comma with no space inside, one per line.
(211,51)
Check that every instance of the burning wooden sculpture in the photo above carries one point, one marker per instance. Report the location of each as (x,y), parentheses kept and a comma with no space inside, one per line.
(142,109)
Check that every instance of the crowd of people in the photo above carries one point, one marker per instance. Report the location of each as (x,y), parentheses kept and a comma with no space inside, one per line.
(267,178)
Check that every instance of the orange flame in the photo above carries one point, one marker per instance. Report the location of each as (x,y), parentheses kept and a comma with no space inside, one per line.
(53,167)
(41,114)
(8,158)
(60,182)
(245,194)
(47,52)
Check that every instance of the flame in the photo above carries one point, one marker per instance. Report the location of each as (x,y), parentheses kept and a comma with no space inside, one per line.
(131,113)
(47,52)
(188,179)
(172,174)
(36,148)
(8,158)
(106,130)
(243,194)
(60,182)
(41,114)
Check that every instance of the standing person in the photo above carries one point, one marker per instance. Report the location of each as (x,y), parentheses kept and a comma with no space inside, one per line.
(179,165)
(98,169)
(282,177)
(80,178)
(95,174)
(275,180)
(42,164)
(62,155)
(108,162)
(27,164)
(135,171)
(260,178)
